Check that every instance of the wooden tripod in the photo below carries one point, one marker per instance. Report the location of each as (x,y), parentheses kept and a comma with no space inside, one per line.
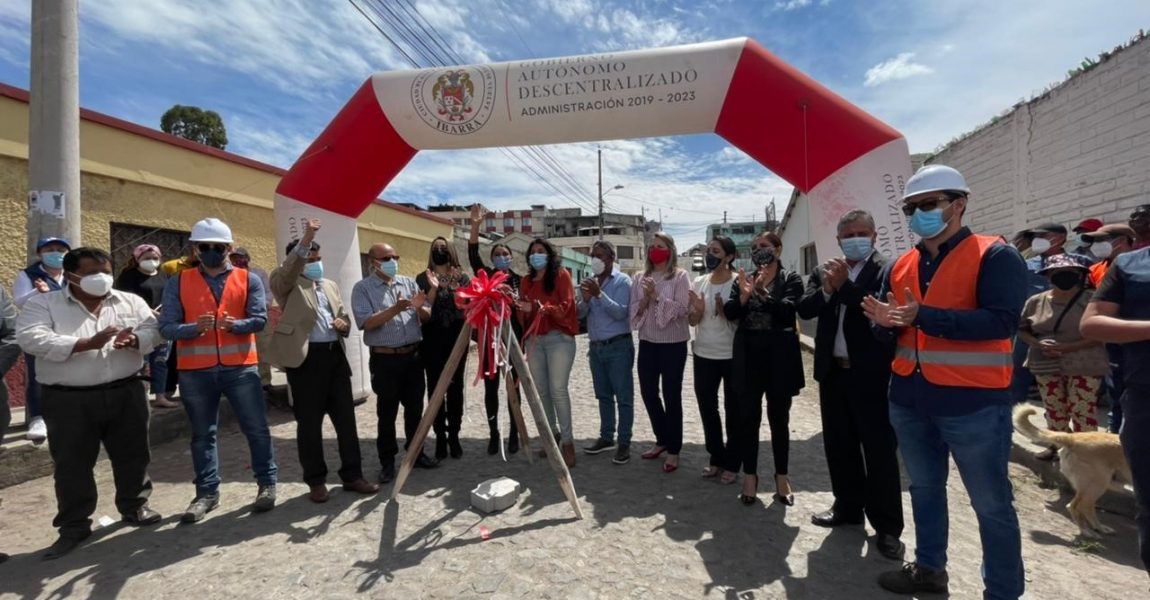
(528,383)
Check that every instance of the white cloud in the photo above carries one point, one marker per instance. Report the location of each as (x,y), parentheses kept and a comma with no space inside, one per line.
(899,67)
(793,4)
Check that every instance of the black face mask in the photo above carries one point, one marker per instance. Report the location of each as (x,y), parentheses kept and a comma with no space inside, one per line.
(212,259)
(1066,280)
(763,256)
(712,261)
(440,256)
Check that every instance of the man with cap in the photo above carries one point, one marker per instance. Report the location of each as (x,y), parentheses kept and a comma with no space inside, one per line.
(42,276)
(90,342)
(242,259)
(1106,244)
(605,301)
(213,313)
(951,306)
(1087,226)
(1140,223)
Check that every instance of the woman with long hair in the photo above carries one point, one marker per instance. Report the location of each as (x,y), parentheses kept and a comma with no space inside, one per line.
(660,300)
(501,263)
(142,277)
(767,360)
(439,282)
(712,348)
(547,307)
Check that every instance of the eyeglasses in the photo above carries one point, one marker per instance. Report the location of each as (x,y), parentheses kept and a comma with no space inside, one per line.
(210,247)
(926,204)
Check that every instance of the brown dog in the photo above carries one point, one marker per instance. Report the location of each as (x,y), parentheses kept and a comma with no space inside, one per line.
(1090,461)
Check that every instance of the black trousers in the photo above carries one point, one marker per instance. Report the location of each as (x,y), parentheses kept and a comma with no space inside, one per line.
(861,448)
(320,386)
(78,422)
(491,404)
(709,375)
(753,353)
(666,363)
(1136,445)
(436,350)
(396,379)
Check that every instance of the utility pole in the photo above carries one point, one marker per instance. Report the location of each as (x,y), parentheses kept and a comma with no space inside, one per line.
(54,123)
(599,149)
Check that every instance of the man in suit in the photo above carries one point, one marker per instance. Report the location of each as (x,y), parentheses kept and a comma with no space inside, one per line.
(308,344)
(853,371)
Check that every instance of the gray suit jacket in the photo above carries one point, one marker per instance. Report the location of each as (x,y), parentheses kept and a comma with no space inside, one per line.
(296,294)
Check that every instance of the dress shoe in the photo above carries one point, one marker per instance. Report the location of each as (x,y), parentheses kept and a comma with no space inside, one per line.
(493,443)
(65,544)
(913,578)
(424,461)
(513,443)
(567,450)
(440,447)
(199,508)
(265,498)
(833,518)
(318,493)
(890,546)
(453,445)
(387,473)
(142,516)
(361,486)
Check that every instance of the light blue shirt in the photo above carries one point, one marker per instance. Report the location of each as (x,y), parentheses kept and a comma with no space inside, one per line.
(609,314)
(323,330)
(372,295)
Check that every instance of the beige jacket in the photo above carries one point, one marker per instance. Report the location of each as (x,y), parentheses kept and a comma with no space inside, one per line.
(296,294)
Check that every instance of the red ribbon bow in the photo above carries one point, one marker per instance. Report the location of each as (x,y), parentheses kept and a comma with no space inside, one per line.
(486,304)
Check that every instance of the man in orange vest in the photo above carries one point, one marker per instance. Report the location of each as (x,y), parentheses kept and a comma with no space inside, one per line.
(951,307)
(214,312)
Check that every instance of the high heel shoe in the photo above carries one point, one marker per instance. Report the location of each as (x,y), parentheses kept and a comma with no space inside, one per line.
(744,498)
(653,453)
(788,500)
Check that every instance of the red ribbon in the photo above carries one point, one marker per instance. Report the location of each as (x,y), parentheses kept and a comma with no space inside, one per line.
(486,304)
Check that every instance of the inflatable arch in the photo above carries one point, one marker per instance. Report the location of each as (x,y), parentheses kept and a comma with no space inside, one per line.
(829,149)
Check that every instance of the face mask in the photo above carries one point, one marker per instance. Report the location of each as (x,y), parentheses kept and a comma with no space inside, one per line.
(856,248)
(1040,245)
(240,261)
(763,256)
(1101,249)
(712,262)
(313,271)
(658,256)
(598,266)
(440,257)
(538,261)
(96,284)
(1066,280)
(52,260)
(213,259)
(149,266)
(502,262)
(389,267)
(928,224)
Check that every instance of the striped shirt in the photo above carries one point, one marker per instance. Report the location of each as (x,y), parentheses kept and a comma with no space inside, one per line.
(371,295)
(665,319)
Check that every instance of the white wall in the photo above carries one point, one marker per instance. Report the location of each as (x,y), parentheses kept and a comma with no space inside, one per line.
(796,235)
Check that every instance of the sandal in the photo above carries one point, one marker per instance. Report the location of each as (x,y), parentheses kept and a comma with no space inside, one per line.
(728,477)
(744,498)
(711,472)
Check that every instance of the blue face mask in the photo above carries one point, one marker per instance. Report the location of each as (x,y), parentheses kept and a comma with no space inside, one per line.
(313,271)
(501,262)
(928,224)
(538,261)
(52,260)
(389,267)
(856,248)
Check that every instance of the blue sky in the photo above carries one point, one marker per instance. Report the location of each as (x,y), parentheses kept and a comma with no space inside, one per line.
(278,70)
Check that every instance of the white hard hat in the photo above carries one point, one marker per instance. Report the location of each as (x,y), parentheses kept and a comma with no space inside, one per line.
(935,178)
(211,229)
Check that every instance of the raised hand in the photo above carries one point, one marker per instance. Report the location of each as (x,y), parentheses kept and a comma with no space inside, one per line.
(310,226)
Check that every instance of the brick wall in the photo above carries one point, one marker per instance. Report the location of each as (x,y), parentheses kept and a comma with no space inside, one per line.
(1082,150)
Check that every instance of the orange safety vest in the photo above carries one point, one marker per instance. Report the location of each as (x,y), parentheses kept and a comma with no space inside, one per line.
(953,363)
(216,347)
(1098,271)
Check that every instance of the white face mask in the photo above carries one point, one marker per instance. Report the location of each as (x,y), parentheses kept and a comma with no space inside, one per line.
(96,284)
(1101,249)
(1040,245)
(149,266)
(597,266)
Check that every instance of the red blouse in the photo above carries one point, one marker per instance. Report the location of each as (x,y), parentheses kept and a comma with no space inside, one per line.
(558,312)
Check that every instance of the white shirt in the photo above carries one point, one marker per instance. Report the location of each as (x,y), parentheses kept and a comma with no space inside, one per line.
(714,335)
(840,350)
(50,325)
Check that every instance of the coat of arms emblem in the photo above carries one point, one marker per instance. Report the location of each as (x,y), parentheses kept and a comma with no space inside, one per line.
(452,93)
(455,101)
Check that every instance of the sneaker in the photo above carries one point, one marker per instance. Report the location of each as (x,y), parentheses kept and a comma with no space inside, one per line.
(265,498)
(200,507)
(600,445)
(622,454)
(37,430)
(913,578)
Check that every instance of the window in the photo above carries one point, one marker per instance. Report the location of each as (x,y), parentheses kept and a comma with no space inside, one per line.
(625,252)
(509,222)
(490,223)
(126,237)
(809,258)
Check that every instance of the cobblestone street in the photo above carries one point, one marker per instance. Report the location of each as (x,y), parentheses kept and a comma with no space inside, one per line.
(647,534)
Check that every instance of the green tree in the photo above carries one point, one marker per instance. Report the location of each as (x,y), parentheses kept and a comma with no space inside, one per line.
(196,124)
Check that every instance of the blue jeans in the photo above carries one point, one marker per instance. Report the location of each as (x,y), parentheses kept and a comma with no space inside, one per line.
(201,391)
(614,381)
(158,363)
(980,445)
(550,361)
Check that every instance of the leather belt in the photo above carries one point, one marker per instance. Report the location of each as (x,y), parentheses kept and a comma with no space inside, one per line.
(408,349)
(324,345)
(611,339)
(843,363)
